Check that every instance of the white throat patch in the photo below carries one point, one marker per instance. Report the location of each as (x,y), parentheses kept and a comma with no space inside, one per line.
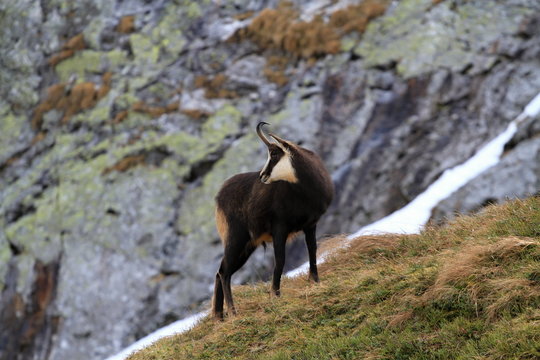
(284,170)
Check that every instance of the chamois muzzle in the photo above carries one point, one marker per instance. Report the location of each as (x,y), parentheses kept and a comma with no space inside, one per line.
(264,178)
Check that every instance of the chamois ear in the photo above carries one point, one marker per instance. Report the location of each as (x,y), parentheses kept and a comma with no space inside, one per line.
(284,144)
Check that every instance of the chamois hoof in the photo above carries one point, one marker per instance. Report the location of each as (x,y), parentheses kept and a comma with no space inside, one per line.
(218,316)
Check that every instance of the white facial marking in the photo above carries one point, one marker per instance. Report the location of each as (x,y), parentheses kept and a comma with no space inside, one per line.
(283,170)
(265,165)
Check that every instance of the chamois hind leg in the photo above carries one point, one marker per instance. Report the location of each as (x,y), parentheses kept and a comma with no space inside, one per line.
(311,243)
(217,300)
(236,255)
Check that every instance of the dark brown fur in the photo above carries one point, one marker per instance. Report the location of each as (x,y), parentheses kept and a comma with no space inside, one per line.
(250,212)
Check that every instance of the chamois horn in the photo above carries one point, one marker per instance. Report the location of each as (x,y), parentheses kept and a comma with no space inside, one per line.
(261,134)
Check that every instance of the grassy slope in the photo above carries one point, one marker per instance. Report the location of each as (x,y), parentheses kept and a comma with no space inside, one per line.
(469,290)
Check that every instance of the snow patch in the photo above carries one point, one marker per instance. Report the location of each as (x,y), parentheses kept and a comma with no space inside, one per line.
(533,108)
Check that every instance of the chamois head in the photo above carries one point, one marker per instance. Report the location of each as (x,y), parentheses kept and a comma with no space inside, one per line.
(279,165)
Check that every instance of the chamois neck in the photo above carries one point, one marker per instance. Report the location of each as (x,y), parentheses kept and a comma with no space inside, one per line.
(313,179)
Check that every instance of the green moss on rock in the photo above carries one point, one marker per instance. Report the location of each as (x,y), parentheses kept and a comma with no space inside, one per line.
(5,256)
(11,128)
(79,64)
(193,10)
(143,49)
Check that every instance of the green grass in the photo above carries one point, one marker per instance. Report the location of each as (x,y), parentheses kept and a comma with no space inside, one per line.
(468,290)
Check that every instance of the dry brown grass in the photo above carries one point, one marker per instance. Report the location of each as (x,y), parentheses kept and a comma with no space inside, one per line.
(480,273)
(215,87)
(120,117)
(357,17)
(244,16)
(125,164)
(280,29)
(154,111)
(476,260)
(274,70)
(126,25)
(71,100)
(508,293)
(196,114)
(71,46)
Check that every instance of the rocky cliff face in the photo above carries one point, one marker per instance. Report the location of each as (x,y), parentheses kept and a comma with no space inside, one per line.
(121,119)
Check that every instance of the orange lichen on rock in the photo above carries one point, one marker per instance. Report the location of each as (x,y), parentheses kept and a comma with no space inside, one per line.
(74,44)
(70,99)
(126,25)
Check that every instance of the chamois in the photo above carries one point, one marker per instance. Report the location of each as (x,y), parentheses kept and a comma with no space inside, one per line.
(287,196)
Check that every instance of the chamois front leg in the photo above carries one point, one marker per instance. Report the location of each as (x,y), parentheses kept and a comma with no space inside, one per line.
(279,240)
(311,243)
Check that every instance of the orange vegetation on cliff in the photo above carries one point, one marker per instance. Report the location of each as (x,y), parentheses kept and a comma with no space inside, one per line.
(71,100)
(74,44)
